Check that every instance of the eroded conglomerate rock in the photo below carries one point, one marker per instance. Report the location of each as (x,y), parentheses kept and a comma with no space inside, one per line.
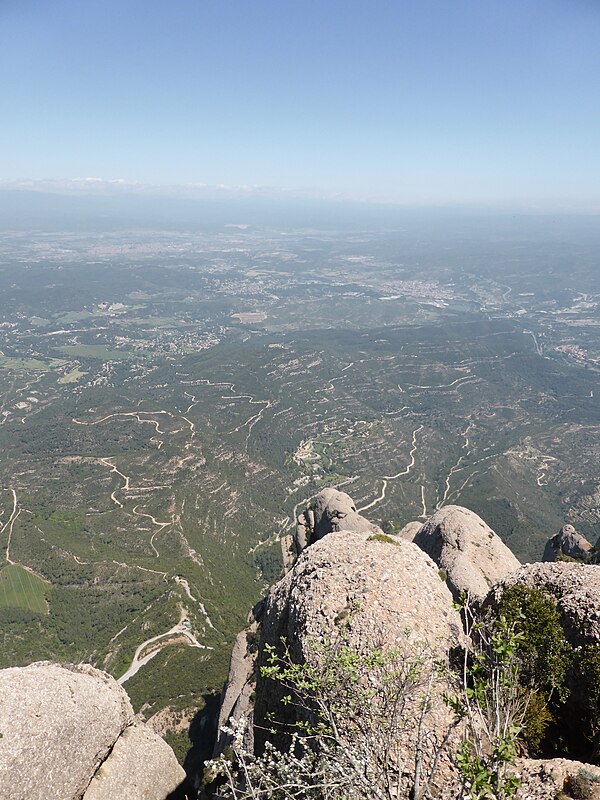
(574,587)
(237,695)
(331,510)
(567,542)
(473,557)
(387,590)
(380,591)
(557,779)
(141,766)
(59,725)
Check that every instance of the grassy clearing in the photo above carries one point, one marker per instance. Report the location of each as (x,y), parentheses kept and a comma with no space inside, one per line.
(72,377)
(73,316)
(22,364)
(21,589)
(158,322)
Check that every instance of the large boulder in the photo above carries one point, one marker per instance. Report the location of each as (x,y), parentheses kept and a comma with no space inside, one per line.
(141,766)
(59,725)
(473,557)
(378,590)
(331,510)
(567,542)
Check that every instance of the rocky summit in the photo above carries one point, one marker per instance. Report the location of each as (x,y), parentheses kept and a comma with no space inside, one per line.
(392,595)
(567,542)
(471,554)
(398,591)
(331,510)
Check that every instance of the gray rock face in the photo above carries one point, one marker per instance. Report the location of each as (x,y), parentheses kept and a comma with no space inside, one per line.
(331,510)
(410,530)
(59,724)
(394,594)
(394,585)
(472,555)
(241,680)
(141,766)
(575,589)
(566,542)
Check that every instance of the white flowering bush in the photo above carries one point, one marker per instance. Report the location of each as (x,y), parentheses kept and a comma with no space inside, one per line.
(361,727)
(370,724)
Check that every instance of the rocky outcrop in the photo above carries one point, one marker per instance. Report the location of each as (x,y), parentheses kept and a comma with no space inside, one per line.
(331,510)
(575,589)
(237,694)
(141,765)
(557,779)
(382,591)
(410,530)
(397,591)
(567,542)
(472,556)
(61,727)
(393,585)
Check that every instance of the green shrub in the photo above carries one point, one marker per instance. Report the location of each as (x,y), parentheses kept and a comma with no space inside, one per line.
(382,537)
(587,672)
(545,652)
(546,659)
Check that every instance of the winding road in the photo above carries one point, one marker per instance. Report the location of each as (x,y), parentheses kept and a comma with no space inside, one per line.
(402,472)
(180,629)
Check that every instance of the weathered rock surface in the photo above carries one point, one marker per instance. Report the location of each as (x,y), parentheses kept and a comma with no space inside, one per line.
(141,766)
(410,530)
(331,510)
(59,725)
(566,542)
(394,585)
(472,555)
(241,681)
(391,589)
(574,587)
(549,779)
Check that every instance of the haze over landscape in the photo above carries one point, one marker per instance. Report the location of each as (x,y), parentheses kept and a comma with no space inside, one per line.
(424,103)
(252,252)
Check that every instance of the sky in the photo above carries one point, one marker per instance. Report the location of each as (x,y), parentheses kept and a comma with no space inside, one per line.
(416,102)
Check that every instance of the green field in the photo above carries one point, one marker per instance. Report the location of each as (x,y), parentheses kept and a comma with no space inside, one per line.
(72,377)
(21,589)
(25,364)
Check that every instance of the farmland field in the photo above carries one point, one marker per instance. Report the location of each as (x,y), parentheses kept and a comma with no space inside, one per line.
(20,589)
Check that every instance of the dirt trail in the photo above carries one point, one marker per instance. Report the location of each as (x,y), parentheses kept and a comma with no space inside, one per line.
(9,524)
(181,629)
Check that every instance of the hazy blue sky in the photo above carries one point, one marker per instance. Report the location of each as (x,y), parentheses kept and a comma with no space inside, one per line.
(417,101)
